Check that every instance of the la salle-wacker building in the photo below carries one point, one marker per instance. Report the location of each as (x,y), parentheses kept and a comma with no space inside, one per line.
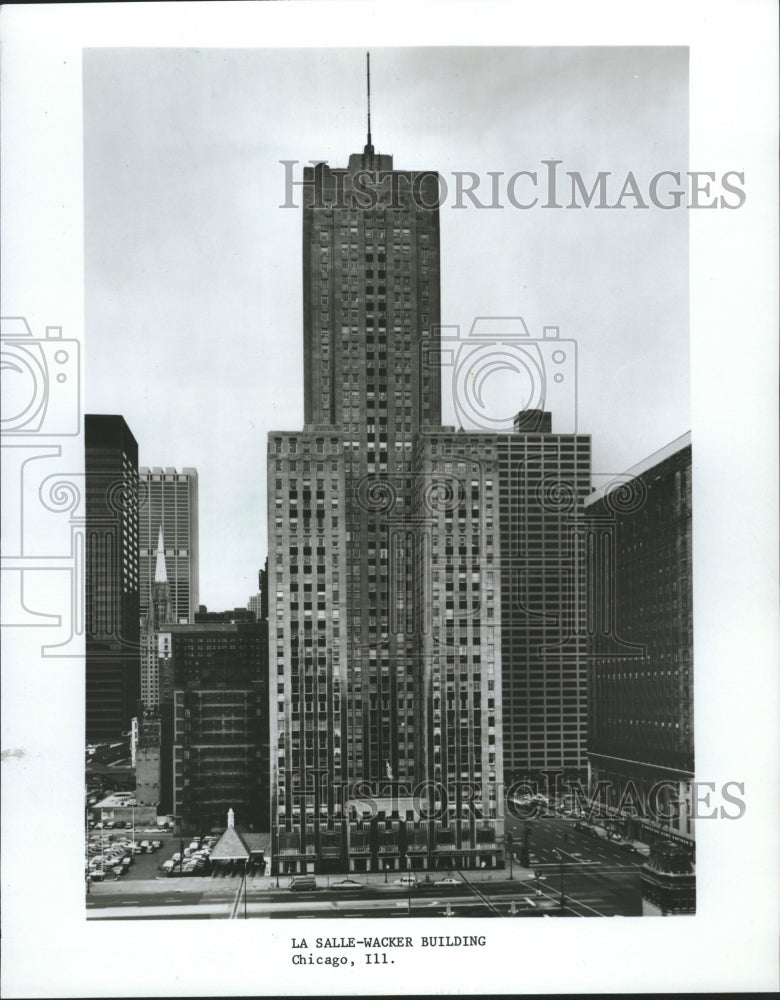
(386,539)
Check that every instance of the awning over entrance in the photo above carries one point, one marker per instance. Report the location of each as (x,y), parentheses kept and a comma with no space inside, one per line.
(237,844)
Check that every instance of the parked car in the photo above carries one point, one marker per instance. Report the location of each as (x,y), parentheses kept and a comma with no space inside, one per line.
(407,880)
(447,881)
(156,844)
(129,825)
(347,883)
(303,882)
(109,824)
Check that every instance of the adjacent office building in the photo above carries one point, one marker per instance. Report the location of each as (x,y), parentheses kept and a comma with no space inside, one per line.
(507,575)
(169,503)
(641,646)
(112,577)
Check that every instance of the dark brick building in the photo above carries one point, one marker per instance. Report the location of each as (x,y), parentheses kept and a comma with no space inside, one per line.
(111,577)
(219,683)
(641,643)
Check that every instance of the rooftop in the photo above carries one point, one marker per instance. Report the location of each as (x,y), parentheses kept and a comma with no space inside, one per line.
(683,441)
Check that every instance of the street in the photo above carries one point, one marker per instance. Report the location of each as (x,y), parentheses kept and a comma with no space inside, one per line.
(599,877)
(596,877)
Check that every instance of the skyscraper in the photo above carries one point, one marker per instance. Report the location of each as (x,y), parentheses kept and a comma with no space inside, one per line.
(348,514)
(258,603)
(542,481)
(169,501)
(111,578)
(506,574)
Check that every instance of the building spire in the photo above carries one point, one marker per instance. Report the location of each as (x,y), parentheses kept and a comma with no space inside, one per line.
(368,149)
(160,573)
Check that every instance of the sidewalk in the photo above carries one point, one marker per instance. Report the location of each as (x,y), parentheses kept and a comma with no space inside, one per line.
(476,878)
(205,884)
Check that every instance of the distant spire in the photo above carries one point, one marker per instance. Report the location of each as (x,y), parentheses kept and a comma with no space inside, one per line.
(368,149)
(160,573)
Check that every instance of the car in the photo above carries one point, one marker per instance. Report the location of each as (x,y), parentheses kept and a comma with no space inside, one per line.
(129,824)
(95,876)
(156,844)
(109,824)
(303,882)
(176,857)
(443,882)
(347,883)
(98,825)
(167,866)
(407,880)
(144,844)
(118,870)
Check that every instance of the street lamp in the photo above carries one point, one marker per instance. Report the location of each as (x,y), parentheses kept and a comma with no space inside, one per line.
(509,841)
(560,862)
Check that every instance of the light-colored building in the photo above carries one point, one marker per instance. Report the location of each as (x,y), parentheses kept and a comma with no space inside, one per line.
(168,501)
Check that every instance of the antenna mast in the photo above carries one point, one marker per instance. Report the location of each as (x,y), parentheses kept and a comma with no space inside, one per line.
(369,149)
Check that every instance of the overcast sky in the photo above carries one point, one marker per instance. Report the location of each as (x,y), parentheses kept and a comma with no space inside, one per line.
(193,271)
